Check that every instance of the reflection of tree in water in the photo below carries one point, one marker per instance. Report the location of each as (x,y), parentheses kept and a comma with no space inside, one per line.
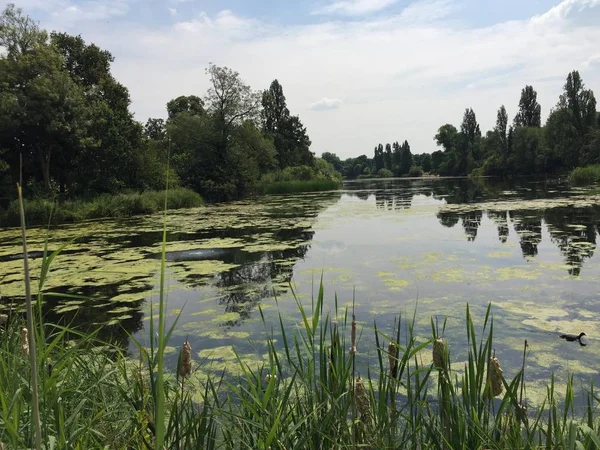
(393,200)
(501,221)
(471,222)
(448,219)
(528,225)
(261,276)
(573,230)
(94,313)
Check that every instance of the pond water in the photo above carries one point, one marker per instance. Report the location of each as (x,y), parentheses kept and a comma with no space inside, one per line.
(393,246)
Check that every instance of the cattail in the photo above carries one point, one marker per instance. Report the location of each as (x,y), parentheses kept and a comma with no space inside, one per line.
(353,336)
(185,362)
(25,342)
(495,376)
(393,359)
(362,401)
(268,378)
(439,353)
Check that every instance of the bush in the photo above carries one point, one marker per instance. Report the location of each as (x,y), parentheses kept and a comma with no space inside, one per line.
(385,173)
(415,171)
(585,175)
(40,211)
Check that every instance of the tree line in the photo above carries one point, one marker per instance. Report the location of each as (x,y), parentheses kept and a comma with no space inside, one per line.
(66,128)
(570,138)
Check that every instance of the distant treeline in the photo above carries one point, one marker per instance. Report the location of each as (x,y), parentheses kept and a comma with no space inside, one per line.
(65,126)
(569,139)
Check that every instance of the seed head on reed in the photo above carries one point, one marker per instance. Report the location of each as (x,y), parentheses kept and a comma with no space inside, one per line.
(495,376)
(25,342)
(185,362)
(439,353)
(268,378)
(353,335)
(393,359)
(362,401)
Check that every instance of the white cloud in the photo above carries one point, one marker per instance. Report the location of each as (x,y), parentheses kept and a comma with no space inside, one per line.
(592,62)
(400,76)
(354,7)
(326,103)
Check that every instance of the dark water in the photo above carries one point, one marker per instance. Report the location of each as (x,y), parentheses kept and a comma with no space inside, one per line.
(386,246)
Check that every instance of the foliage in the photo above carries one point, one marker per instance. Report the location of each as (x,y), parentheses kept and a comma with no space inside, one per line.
(41,211)
(64,114)
(530,111)
(385,173)
(415,171)
(585,175)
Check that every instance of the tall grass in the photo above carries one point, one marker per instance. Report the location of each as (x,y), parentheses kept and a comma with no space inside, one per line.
(41,210)
(315,391)
(585,175)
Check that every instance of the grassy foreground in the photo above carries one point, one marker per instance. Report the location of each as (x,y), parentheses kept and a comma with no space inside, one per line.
(308,396)
(585,175)
(40,211)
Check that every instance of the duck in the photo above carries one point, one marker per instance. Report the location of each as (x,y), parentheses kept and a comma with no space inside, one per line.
(573,337)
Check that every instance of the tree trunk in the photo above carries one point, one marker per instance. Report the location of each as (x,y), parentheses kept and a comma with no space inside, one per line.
(44,166)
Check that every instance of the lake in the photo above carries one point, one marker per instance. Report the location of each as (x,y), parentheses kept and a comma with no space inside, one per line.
(384,247)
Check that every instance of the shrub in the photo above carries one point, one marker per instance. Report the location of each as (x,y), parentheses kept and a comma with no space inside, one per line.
(585,175)
(385,173)
(415,171)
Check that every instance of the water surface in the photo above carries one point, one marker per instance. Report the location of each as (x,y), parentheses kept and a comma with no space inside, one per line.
(384,246)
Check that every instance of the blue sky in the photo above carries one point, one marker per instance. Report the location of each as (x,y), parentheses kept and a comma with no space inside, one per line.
(357,72)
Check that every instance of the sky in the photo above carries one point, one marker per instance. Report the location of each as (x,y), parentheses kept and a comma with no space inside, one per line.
(357,72)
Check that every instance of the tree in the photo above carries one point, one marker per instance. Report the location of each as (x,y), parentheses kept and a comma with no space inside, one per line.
(378,160)
(109,159)
(190,104)
(529,114)
(406,161)
(19,34)
(469,126)
(447,137)
(230,100)
(45,117)
(334,160)
(387,157)
(154,129)
(570,124)
(275,110)
(426,162)
(289,134)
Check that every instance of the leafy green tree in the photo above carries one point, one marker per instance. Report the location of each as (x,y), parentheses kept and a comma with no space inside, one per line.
(19,34)
(447,137)
(190,104)
(396,158)
(387,157)
(289,134)
(469,126)
(570,124)
(406,160)
(108,161)
(45,118)
(530,111)
(528,150)
(426,162)
(378,160)
(154,129)
(334,160)
(437,158)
